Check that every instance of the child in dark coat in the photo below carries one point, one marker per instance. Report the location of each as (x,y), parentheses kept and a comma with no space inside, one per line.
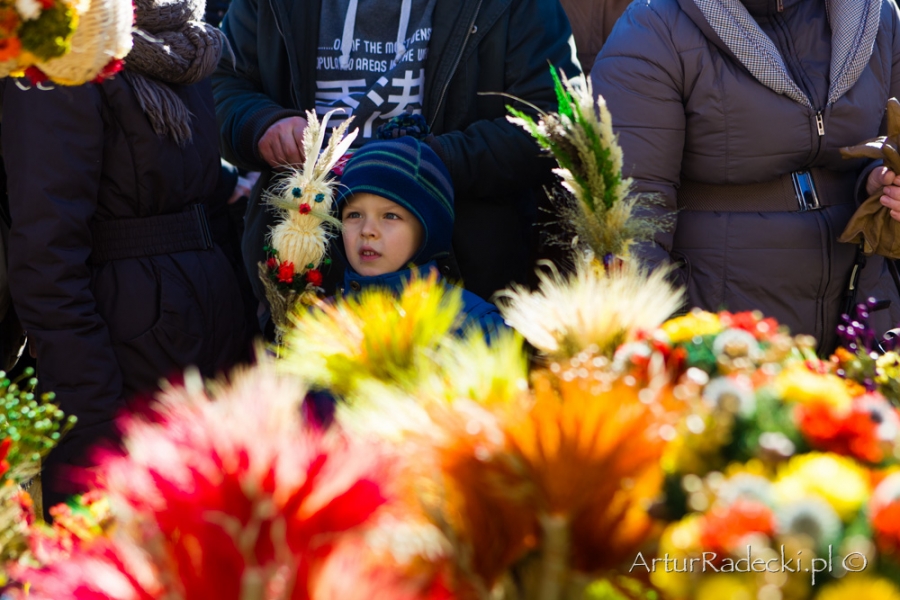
(396,206)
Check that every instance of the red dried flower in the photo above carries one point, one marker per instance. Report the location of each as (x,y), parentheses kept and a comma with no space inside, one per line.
(286,272)
(35,75)
(112,67)
(272,263)
(230,498)
(119,571)
(723,529)
(305,208)
(853,433)
(752,321)
(45,4)
(4,452)
(314,276)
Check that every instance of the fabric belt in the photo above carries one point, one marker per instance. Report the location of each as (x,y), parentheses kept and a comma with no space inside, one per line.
(118,239)
(800,191)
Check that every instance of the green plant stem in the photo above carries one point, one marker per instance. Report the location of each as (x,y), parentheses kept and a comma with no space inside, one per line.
(554,557)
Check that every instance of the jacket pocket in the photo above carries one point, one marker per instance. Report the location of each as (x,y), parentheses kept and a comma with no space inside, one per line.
(682,273)
(172,343)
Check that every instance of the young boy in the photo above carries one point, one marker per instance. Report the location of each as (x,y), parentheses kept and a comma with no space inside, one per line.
(396,205)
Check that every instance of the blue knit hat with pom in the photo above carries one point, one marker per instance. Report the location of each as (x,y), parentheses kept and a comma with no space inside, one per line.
(408,172)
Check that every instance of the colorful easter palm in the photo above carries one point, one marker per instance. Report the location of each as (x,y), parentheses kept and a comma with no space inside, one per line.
(70,42)
(303,198)
(609,299)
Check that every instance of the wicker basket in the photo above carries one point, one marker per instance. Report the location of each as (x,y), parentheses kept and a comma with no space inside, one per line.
(103,34)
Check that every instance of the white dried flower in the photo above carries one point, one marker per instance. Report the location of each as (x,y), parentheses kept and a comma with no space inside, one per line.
(28,9)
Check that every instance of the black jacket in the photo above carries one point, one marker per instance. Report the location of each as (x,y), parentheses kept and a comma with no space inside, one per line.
(478,48)
(104,332)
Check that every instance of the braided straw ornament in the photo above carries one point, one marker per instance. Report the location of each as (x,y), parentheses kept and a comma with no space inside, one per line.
(302,237)
(103,34)
(303,198)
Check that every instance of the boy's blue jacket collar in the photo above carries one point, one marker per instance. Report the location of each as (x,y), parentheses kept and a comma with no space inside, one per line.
(394,281)
(477,311)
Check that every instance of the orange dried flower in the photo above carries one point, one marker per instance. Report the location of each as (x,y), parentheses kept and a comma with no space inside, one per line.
(886,528)
(853,433)
(10,48)
(593,453)
(484,495)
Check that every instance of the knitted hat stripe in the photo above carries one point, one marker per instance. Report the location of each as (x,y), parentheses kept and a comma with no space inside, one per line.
(437,174)
(391,157)
(389,163)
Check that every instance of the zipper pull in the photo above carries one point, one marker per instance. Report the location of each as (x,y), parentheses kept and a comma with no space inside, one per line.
(780,5)
(820,123)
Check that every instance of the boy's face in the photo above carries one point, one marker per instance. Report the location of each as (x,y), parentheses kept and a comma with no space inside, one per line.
(380,236)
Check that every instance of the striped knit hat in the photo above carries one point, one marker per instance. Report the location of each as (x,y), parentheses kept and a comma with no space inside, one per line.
(408,172)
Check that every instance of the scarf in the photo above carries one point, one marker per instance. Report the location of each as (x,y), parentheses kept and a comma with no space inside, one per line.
(171,46)
(854,26)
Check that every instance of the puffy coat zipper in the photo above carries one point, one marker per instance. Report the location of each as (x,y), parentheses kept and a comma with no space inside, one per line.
(818,114)
(471,29)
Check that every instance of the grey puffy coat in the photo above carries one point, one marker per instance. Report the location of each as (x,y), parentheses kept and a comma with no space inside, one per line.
(687,108)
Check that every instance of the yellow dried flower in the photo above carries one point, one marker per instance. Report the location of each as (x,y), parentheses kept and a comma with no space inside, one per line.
(888,367)
(839,480)
(375,334)
(697,322)
(679,540)
(797,383)
(860,586)
(723,586)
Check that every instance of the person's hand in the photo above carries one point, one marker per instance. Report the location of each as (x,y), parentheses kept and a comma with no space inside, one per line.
(244,187)
(884,178)
(282,143)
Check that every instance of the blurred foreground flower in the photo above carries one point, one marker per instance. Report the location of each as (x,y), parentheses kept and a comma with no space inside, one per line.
(553,486)
(839,480)
(593,452)
(30,427)
(593,310)
(373,335)
(223,495)
(861,586)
